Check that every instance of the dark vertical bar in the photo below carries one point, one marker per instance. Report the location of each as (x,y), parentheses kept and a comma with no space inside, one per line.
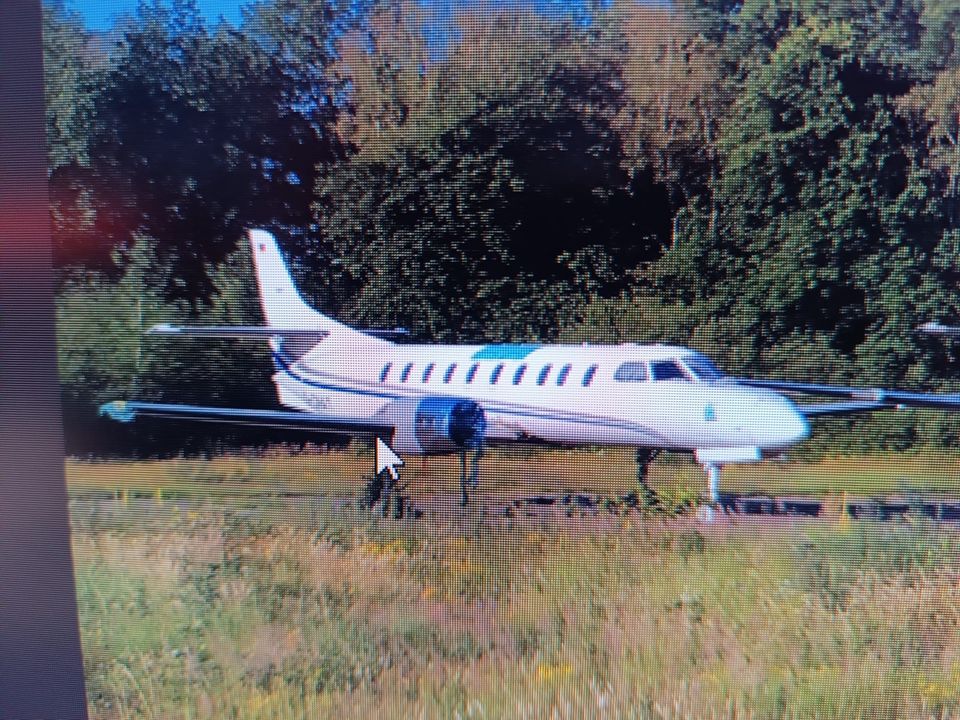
(41,669)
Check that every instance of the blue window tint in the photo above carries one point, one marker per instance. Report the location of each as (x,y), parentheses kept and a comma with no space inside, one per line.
(702,368)
(427,371)
(406,372)
(495,375)
(471,373)
(448,375)
(562,376)
(504,352)
(667,370)
(631,372)
(588,375)
(518,375)
(385,372)
(542,377)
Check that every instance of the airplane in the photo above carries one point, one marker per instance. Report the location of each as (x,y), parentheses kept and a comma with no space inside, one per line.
(420,399)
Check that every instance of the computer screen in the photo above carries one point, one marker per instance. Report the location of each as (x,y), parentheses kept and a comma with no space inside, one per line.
(527,360)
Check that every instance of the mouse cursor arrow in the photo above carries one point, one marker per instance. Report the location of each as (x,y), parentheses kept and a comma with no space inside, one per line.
(387,459)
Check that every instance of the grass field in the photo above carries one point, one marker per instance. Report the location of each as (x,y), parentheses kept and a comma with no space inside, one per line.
(204,593)
(512,471)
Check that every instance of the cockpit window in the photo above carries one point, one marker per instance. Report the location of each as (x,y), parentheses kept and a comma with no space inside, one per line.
(667,370)
(704,370)
(631,372)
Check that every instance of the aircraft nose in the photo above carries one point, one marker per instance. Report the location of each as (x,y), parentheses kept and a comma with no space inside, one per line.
(769,420)
(780,425)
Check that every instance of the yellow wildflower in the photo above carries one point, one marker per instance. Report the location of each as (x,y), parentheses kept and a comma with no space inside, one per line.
(548,672)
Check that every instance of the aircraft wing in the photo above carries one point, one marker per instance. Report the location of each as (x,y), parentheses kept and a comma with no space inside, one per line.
(867,398)
(124,411)
(935,328)
(840,408)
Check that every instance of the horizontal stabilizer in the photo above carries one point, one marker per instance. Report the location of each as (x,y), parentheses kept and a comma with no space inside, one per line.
(124,411)
(255,332)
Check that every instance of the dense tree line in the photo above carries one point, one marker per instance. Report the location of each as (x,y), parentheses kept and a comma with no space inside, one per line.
(775,183)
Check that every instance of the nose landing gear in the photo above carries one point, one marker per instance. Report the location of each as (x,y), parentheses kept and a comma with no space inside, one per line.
(648,496)
(713,490)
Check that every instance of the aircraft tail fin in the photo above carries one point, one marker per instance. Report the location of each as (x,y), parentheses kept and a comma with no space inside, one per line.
(282,304)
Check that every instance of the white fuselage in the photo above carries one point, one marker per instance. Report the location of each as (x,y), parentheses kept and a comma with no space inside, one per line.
(636,395)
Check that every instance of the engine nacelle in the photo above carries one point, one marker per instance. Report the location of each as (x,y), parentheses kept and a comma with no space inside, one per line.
(435,425)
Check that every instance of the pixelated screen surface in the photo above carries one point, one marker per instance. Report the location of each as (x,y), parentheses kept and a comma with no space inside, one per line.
(502,360)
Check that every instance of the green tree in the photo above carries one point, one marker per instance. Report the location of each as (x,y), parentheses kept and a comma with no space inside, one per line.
(392,82)
(822,228)
(104,354)
(884,34)
(71,62)
(675,95)
(198,134)
(940,20)
(74,64)
(712,19)
(933,110)
(495,212)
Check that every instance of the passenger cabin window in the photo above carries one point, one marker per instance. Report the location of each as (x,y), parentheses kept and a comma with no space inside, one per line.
(406,372)
(544,373)
(472,372)
(667,370)
(495,375)
(631,372)
(562,375)
(427,372)
(518,375)
(588,375)
(448,375)
(385,372)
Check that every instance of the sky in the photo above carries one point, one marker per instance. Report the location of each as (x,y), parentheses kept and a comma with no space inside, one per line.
(100,14)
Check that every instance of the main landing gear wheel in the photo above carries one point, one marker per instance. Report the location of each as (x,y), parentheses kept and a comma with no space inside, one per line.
(644,457)
(389,493)
(469,477)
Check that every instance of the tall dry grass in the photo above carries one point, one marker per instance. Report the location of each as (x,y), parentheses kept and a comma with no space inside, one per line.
(280,610)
